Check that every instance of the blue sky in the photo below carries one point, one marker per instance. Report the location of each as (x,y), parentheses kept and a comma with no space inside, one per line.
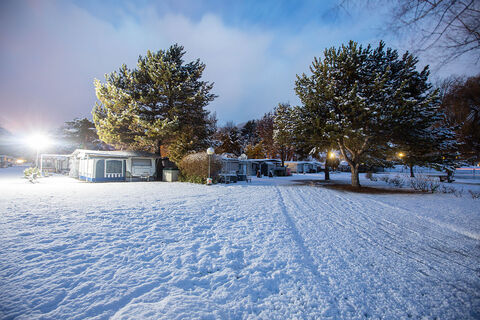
(51,51)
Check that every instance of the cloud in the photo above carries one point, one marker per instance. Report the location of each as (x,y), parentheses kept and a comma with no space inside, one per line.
(50,52)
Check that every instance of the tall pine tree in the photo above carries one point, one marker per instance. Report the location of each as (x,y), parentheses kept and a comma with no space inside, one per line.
(159,105)
(360,99)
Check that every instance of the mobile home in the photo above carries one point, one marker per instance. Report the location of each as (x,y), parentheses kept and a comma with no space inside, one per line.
(107,166)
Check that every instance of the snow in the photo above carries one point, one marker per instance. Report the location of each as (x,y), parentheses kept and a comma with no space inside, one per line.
(270,249)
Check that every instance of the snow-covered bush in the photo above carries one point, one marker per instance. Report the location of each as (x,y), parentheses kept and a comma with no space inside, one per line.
(385,178)
(397,181)
(194,167)
(424,184)
(474,194)
(451,190)
(32,172)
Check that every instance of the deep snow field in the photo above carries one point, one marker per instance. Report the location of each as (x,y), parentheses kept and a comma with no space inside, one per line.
(269,249)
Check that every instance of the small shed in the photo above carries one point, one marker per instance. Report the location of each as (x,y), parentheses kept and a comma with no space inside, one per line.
(107,166)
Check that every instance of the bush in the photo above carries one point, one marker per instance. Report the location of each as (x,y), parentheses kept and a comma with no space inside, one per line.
(397,181)
(448,189)
(32,172)
(474,194)
(424,184)
(385,178)
(194,167)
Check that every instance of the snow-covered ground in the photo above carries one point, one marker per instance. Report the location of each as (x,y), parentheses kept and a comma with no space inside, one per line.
(266,250)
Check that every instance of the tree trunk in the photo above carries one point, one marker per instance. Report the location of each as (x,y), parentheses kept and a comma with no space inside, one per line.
(327,173)
(159,148)
(412,175)
(355,178)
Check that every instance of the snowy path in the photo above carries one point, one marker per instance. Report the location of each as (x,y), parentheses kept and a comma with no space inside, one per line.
(72,250)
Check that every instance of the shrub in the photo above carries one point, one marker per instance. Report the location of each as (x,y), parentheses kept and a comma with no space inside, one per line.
(474,194)
(385,178)
(448,189)
(397,181)
(32,172)
(424,184)
(194,167)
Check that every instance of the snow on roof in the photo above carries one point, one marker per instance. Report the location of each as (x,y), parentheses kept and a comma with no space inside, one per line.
(114,154)
(52,155)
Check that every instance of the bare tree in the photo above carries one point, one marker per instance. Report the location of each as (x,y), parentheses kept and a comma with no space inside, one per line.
(451,27)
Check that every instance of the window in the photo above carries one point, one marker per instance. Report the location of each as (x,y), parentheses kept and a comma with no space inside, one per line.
(141,163)
(113,166)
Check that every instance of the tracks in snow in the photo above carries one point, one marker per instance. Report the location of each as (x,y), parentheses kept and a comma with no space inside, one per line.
(360,244)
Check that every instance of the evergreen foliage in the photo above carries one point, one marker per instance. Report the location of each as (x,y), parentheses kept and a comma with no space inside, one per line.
(284,124)
(229,140)
(248,134)
(81,133)
(159,104)
(265,133)
(255,151)
(362,100)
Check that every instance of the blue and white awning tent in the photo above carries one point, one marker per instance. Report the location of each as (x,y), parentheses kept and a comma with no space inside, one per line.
(109,166)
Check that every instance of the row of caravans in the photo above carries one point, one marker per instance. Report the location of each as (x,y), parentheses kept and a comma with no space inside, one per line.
(108,166)
(6,161)
(242,168)
(305,166)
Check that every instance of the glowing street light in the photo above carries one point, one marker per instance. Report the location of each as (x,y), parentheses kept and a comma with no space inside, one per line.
(210,152)
(401,155)
(38,142)
(331,155)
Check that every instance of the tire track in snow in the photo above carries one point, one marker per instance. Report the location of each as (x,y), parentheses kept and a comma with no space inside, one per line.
(300,242)
(356,220)
(332,244)
(398,245)
(399,232)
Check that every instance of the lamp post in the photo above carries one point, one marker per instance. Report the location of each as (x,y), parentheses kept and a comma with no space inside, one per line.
(331,156)
(210,152)
(38,142)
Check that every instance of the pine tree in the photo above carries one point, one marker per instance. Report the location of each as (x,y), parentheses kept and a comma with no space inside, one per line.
(248,134)
(159,104)
(229,140)
(81,133)
(255,151)
(265,133)
(283,130)
(359,99)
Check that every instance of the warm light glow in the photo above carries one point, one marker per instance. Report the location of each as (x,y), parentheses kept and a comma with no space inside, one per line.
(331,155)
(210,151)
(20,161)
(38,141)
(401,154)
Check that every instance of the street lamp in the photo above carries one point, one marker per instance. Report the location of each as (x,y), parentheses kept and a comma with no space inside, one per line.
(331,155)
(401,155)
(210,152)
(38,142)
